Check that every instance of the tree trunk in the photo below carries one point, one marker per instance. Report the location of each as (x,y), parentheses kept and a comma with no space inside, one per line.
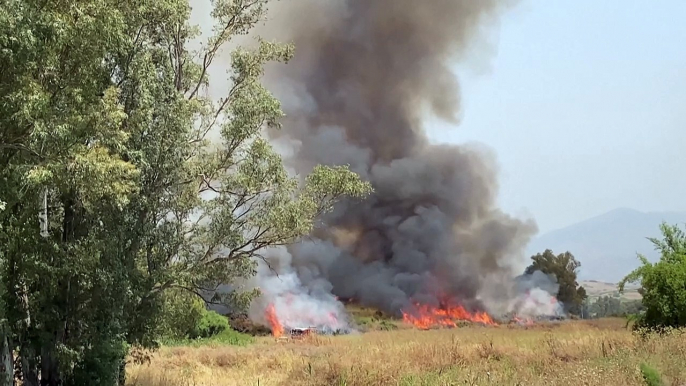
(122,373)
(50,366)
(29,369)
(43,214)
(6,358)
(49,374)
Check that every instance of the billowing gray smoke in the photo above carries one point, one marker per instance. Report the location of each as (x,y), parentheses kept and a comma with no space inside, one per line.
(365,75)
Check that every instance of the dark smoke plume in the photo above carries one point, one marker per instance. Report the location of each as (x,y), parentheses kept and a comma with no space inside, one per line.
(365,74)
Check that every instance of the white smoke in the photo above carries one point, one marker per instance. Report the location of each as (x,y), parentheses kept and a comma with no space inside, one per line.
(537,302)
(353,95)
(537,296)
(295,304)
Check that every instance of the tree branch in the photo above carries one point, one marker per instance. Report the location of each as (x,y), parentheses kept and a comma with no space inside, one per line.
(218,42)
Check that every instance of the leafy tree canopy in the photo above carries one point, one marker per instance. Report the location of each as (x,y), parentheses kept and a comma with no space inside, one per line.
(564,268)
(663,283)
(104,123)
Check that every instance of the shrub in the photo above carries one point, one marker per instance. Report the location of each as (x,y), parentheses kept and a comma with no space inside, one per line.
(102,364)
(210,324)
(386,325)
(181,314)
(651,376)
(184,316)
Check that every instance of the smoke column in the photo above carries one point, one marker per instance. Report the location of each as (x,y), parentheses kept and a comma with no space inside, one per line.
(365,74)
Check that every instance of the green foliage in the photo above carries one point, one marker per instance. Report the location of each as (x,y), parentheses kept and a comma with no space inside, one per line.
(663,289)
(650,375)
(105,114)
(631,307)
(387,325)
(210,324)
(180,315)
(101,365)
(564,268)
(375,322)
(606,306)
(184,318)
(228,337)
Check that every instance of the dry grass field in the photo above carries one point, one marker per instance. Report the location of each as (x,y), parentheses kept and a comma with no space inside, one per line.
(598,352)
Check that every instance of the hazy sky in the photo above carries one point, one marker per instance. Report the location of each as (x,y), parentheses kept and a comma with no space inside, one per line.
(584,103)
(585,106)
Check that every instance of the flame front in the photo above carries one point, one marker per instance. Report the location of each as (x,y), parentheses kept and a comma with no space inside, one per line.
(523,320)
(426,316)
(276,326)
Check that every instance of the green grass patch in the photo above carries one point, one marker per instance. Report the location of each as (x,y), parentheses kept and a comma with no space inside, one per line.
(651,376)
(376,323)
(228,337)
(371,319)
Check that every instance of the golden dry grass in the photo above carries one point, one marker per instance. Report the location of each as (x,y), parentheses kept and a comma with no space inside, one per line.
(569,353)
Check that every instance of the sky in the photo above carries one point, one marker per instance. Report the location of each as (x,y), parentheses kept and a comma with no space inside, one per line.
(584,104)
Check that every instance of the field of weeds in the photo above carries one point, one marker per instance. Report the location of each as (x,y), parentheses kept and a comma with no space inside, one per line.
(601,352)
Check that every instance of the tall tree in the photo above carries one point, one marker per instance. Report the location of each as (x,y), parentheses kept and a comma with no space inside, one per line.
(6,349)
(663,284)
(104,112)
(564,268)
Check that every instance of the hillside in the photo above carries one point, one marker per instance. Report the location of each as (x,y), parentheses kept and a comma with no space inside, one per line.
(606,245)
(596,289)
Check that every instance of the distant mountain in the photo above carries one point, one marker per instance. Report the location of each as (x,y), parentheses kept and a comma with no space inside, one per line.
(606,245)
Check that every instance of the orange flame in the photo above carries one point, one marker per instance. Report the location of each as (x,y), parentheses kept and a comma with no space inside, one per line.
(523,321)
(333,318)
(426,316)
(270,314)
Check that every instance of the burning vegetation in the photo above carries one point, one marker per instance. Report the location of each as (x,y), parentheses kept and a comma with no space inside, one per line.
(425,316)
(353,98)
(447,314)
(274,323)
(305,322)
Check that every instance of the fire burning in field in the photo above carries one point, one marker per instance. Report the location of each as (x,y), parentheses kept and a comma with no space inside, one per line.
(425,316)
(284,319)
(286,316)
(274,323)
(531,305)
(433,216)
(522,321)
